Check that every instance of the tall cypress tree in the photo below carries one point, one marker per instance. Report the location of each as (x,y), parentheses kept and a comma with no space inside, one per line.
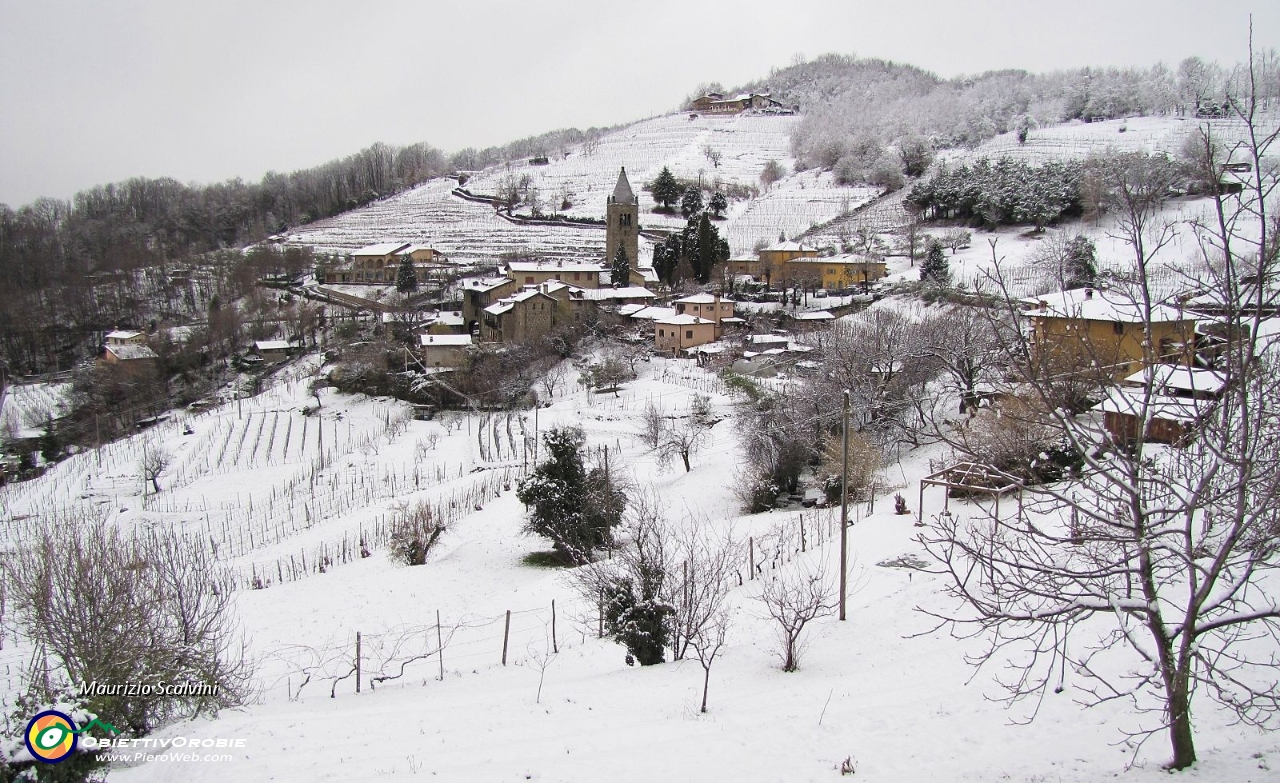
(620,274)
(407,278)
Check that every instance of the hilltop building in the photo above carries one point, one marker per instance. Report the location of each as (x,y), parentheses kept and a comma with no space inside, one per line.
(716,103)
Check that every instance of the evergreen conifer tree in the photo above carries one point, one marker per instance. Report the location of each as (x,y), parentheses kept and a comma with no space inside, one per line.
(407,278)
(665,189)
(1080,266)
(718,204)
(935,268)
(691,203)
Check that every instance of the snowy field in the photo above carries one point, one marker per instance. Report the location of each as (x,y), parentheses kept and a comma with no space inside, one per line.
(469,231)
(273,487)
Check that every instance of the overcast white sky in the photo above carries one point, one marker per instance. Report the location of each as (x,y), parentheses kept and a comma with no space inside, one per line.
(94,92)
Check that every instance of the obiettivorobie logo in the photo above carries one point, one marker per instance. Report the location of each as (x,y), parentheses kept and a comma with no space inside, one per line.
(52,736)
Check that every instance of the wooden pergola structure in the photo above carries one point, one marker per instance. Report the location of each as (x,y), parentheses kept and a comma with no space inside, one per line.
(968,477)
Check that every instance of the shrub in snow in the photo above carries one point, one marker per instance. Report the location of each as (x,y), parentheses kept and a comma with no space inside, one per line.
(113,607)
(574,507)
(16,761)
(635,617)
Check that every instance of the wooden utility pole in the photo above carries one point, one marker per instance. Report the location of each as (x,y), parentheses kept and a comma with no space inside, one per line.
(357,661)
(844,508)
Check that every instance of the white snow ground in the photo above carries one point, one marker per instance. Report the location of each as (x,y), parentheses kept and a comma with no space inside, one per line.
(903,709)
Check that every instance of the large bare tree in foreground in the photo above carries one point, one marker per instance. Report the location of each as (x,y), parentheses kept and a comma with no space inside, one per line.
(1151,572)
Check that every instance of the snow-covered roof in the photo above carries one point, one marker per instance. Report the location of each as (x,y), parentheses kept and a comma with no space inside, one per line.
(653,313)
(840,259)
(444,339)
(131,351)
(551,286)
(789,246)
(816,315)
(1167,408)
(1092,304)
(733,319)
(272,345)
(684,320)
(123,335)
(381,249)
(622,193)
(702,299)
(555,266)
(767,339)
(1177,378)
(711,348)
(487,284)
(631,309)
(447,318)
(507,302)
(629,292)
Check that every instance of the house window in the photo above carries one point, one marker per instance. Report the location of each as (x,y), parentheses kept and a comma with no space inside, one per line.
(528,279)
(1118,327)
(577,275)
(662,333)
(688,334)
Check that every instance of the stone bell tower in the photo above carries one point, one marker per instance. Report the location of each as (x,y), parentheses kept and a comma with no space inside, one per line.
(623,215)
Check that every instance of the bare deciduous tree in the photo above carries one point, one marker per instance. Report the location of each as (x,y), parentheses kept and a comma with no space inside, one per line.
(153,463)
(795,597)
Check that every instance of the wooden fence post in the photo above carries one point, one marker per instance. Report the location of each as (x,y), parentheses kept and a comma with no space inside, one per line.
(357,661)
(600,615)
(506,634)
(439,646)
(751,554)
(555,648)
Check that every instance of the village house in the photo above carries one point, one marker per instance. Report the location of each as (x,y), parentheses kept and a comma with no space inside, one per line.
(1087,328)
(535,311)
(774,260)
(1180,397)
(708,306)
(128,350)
(479,294)
(445,322)
(836,273)
(629,295)
(583,274)
(679,332)
(443,350)
(380,264)
(273,351)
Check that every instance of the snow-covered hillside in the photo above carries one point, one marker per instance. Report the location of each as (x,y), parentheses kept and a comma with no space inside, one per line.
(273,487)
(471,231)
